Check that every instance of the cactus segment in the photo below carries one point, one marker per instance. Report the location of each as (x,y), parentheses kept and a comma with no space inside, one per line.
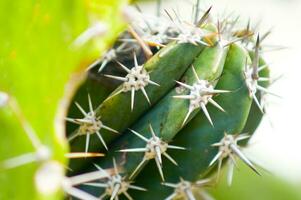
(165,66)
(199,135)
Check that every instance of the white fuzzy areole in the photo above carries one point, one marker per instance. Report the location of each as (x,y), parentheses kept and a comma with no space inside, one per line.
(49,178)
(3,99)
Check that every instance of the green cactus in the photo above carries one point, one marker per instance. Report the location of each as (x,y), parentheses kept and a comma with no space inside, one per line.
(165,107)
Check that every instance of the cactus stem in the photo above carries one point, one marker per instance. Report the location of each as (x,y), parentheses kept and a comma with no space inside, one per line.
(89,125)
(153,150)
(228,148)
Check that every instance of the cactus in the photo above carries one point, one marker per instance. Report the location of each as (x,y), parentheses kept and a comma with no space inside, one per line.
(166,107)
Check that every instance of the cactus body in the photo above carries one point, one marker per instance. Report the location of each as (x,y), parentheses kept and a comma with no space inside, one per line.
(169,122)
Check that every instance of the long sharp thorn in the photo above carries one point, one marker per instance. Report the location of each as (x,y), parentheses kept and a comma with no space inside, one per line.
(159,3)
(138,168)
(134,150)
(256,59)
(257,103)
(171,197)
(185,85)
(110,129)
(266,91)
(152,131)
(135,60)
(124,67)
(183,97)
(203,106)
(220,161)
(243,136)
(87,142)
(195,74)
(90,104)
(102,170)
(73,136)
(127,195)
(100,185)
(263,79)
(116,77)
(204,17)
(79,194)
(216,157)
(219,91)
(244,158)
(134,187)
(19,160)
(159,166)
(83,121)
(202,43)
(172,185)
(186,117)
(158,154)
(145,95)
(115,191)
(202,182)
(153,83)
(132,98)
(103,65)
(72,120)
(230,172)
(232,158)
(92,65)
(176,147)
(216,104)
(262,67)
(139,135)
(103,196)
(81,109)
(113,95)
(115,166)
(102,140)
(189,194)
(170,158)
(81,155)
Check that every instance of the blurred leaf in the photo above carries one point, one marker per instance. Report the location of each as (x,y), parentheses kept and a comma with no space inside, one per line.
(249,186)
(40,70)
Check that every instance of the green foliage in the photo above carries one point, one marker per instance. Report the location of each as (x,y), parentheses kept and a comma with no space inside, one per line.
(40,70)
(248,187)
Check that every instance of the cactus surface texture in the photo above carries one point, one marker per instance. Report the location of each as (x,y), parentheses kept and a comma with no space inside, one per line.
(157,116)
